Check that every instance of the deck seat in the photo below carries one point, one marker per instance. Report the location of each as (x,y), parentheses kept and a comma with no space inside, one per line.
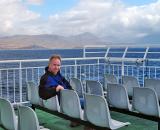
(109,78)
(117,96)
(32,93)
(145,101)
(129,82)
(94,87)
(77,86)
(97,112)
(52,104)
(153,83)
(8,117)
(28,119)
(70,104)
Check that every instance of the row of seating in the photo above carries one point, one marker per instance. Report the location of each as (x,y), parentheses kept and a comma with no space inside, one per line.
(96,104)
(70,106)
(97,88)
(145,100)
(117,94)
(144,103)
(92,87)
(26,119)
(129,82)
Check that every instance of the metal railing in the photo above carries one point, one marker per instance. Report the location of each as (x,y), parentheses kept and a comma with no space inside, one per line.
(13,79)
(15,73)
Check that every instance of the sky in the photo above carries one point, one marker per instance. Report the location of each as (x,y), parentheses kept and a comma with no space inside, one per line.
(113,20)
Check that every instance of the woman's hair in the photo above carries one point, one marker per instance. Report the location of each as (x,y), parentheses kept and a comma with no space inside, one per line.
(54,57)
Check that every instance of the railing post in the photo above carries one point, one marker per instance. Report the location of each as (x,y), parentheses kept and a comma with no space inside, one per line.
(98,67)
(20,80)
(122,72)
(75,68)
(84,52)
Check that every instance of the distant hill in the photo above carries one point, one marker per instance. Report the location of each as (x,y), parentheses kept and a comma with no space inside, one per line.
(48,41)
(34,47)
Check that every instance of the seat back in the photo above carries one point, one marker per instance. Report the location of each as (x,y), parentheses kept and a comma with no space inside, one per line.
(52,104)
(117,96)
(145,101)
(94,87)
(70,103)
(129,82)
(27,119)
(96,110)
(109,78)
(32,93)
(8,116)
(77,86)
(153,83)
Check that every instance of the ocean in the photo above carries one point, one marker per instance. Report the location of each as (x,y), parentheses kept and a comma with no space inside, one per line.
(39,54)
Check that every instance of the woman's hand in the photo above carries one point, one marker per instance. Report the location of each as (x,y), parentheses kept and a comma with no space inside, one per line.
(58,88)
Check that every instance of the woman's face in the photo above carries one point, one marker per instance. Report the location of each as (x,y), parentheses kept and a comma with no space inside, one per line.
(54,66)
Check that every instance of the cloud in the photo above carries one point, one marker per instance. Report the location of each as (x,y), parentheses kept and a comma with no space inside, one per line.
(35,2)
(88,16)
(140,21)
(108,19)
(15,18)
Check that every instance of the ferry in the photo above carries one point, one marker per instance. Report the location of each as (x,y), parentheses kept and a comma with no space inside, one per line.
(139,63)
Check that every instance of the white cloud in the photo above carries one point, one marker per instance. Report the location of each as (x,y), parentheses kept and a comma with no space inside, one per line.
(15,18)
(111,19)
(35,2)
(137,21)
(88,16)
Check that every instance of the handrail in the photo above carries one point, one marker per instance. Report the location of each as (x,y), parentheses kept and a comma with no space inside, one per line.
(41,60)
(122,45)
(113,55)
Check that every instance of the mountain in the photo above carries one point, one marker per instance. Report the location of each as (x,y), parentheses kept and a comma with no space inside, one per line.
(85,37)
(48,41)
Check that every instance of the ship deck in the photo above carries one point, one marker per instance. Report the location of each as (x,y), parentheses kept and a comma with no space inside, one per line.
(56,123)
